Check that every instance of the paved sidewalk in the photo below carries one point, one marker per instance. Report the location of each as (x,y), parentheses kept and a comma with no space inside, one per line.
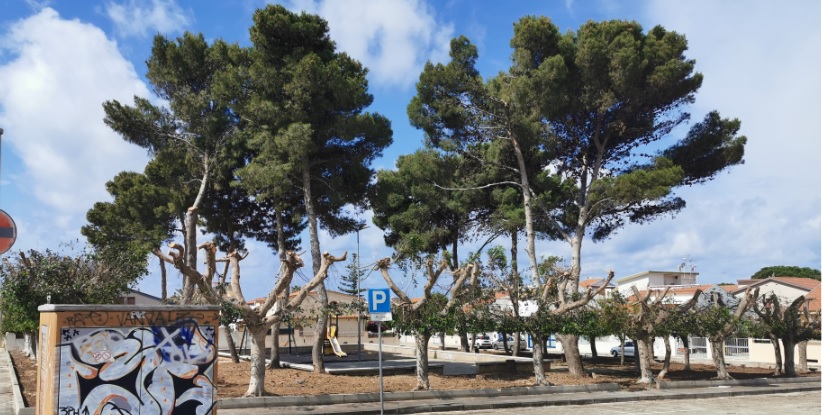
(11,400)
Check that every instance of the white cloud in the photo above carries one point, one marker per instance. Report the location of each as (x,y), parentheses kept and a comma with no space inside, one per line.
(137,18)
(761,63)
(52,87)
(393,38)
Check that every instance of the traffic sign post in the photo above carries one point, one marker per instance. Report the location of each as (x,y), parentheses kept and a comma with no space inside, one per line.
(8,230)
(379,309)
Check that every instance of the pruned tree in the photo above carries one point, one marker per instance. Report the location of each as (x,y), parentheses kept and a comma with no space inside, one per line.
(784,322)
(429,313)
(258,320)
(649,315)
(550,297)
(718,320)
(506,279)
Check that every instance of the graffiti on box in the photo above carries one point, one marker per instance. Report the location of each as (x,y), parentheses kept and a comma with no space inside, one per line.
(148,370)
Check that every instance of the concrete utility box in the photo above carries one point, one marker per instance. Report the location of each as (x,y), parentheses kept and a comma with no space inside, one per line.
(127,359)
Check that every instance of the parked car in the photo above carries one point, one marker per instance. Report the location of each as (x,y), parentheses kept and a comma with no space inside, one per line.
(629,350)
(498,344)
(483,341)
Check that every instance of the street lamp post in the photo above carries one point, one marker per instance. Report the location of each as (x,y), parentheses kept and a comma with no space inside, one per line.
(359,305)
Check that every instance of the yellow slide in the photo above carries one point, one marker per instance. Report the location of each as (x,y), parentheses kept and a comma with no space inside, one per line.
(335,345)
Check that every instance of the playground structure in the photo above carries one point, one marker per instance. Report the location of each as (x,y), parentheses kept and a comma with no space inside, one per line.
(330,344)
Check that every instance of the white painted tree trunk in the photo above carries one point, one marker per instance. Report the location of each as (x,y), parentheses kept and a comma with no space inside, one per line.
(256,384)
(802,364)
(421,344)
(718,354)
(538,355)
(643,351)
(30,345)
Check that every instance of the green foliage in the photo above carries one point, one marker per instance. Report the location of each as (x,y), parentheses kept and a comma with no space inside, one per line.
(428,319)
(712,320)
(349,282)
(306,118)
(787,271)
(138,221)
(420,217)
(88,277)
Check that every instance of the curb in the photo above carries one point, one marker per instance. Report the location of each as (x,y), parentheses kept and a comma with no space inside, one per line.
(279,401)
(683,384)
(18,403)
(553,401)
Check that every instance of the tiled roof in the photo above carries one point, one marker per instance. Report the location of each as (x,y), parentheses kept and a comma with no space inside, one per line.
(815,298)
(800,283)
(806,283)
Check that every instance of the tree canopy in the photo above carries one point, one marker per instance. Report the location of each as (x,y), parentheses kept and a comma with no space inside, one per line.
(787,271)
(36,277)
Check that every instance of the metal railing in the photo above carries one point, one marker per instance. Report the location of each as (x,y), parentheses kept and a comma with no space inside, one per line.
(736,347)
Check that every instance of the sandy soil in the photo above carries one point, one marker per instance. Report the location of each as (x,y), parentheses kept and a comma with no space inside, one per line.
(232,378)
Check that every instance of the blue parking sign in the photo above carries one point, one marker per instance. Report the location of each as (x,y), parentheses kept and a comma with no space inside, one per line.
(379,300)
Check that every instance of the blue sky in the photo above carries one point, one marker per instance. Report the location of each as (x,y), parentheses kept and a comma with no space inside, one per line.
(59,60)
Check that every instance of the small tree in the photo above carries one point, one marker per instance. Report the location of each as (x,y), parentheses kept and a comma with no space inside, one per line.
(258,320)
(41,277)
(783,321)
(717,321)
(432,312)
(648,318)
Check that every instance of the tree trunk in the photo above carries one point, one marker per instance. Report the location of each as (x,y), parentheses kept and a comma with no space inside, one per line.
(322,319)
(718,355)
(642,352)
(593,341)
(539,370)
(687,356)
(163,281)
(256,385)
(30,344)
(190,253)
(514,297)
(232,348)
(274,363)
(442,341)
(777,356)
(570,345)
(788,344)
(666,364)
(464,345)
(421,343)
(803,357)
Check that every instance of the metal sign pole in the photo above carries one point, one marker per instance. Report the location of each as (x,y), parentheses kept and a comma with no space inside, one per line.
(379,335)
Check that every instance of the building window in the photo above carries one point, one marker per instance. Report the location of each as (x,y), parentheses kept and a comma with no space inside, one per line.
(130,300)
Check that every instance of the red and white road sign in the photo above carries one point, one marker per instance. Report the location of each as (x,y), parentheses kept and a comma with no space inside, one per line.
(8,232)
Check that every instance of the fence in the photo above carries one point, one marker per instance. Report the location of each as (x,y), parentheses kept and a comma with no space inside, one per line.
(736,347)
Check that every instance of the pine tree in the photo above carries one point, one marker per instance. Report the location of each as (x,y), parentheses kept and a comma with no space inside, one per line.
(349,281)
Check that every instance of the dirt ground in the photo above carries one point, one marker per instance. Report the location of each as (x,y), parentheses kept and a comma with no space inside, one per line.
(232,378)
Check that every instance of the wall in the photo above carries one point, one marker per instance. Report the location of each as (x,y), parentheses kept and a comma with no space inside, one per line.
(139,360)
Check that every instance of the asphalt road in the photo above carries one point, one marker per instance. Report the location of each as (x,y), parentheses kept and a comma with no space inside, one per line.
(782,404)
